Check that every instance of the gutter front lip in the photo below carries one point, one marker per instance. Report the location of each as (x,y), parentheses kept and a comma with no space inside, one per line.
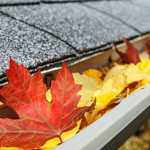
(102,131)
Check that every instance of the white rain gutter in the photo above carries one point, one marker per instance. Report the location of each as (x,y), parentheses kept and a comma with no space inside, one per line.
(110,131)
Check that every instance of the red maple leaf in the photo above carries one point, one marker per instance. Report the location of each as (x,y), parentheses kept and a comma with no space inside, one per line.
(131,55)
(39,119)
(148,45)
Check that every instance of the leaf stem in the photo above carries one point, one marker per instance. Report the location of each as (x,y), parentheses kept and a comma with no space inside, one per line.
(60,139)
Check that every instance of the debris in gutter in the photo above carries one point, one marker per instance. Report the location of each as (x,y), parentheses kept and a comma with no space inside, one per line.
(101,92)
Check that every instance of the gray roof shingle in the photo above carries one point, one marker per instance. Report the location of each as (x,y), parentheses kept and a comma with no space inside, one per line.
(81,27)
(28,45)
(142,2)
(14,2)
(61,1)
(130,12)
(43,34)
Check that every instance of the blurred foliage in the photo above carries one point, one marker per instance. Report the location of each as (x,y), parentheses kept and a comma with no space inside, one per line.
(140,140)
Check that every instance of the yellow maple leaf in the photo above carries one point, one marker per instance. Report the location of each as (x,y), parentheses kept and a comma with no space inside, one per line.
(108,108)
(90,116)
(48,95)
(115,81)
(90,85)
(144,55)
(11,147)
(93,73)
(144,66)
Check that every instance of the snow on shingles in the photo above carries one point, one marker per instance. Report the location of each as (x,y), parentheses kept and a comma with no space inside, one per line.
(81,27)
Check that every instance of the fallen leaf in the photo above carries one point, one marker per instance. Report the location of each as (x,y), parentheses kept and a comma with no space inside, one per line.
(90,116)
(148,45)
(107,109)
(132,88)
(131,55)
(115,81)
(143,56)
(2,100)
(11,147)
(51,143)
(39,119)
(105,70)
(144,66)
(48,95)
(93,73)
(89,86)
(94,114)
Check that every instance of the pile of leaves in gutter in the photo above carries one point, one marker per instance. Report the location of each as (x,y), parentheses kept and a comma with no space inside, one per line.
(48,118)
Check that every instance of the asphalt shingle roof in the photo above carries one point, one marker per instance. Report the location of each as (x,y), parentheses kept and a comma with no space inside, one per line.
(142,2)
(130,12)
(81,27)
(28,45)
(14,2)
(40,35)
